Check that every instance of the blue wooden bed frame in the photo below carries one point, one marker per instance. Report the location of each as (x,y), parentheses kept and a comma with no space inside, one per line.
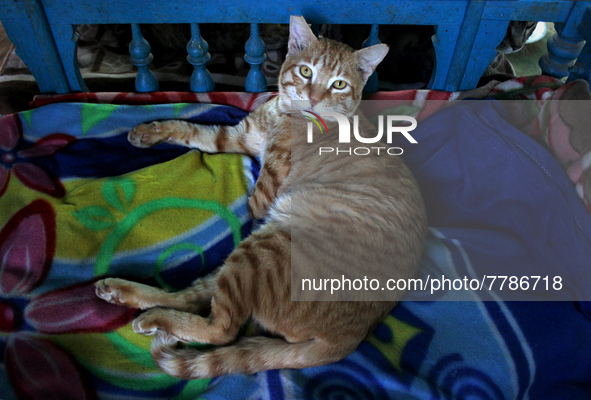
(467,33)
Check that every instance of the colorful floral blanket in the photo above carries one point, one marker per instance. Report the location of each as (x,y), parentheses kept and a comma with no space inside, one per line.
(77,202)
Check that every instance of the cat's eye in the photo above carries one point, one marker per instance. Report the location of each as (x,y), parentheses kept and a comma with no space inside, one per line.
(305,71)
(339,84)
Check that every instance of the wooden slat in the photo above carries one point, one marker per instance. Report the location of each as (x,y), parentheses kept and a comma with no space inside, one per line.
(428,12)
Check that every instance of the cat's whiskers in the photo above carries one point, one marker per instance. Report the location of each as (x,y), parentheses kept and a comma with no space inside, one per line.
(266,95)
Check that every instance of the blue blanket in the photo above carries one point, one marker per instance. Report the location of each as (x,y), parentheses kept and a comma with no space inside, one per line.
(497,203)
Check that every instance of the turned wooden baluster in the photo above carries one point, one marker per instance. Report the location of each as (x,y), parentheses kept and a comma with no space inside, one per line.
(198,56)
(582,68)
(562,52)
(255,56)
(564,46)
(139,49)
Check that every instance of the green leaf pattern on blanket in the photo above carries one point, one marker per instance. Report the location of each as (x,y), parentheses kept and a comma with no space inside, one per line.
(95,218)
(27,117)
(178,107)
(112,188)
(119,193)
(94,114)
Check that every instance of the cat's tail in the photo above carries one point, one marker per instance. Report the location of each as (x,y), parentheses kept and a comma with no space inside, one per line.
(247,356)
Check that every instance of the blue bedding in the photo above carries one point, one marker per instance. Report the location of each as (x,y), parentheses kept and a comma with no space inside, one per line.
(497,202)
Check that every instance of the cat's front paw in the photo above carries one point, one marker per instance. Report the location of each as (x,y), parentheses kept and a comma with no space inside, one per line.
(147,135)
(109,290)
(258,208)
(122,292)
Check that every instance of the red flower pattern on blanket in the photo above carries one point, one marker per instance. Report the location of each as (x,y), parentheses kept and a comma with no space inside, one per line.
(18,157)
(25,263)
(37,367)
(75,309)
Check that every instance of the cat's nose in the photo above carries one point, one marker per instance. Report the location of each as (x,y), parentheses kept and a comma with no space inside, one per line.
(313,102)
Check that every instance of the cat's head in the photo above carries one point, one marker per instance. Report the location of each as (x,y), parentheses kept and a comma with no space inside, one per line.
(324,75)
(517,34)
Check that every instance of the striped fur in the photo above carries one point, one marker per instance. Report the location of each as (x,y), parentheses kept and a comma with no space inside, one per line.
(376,200)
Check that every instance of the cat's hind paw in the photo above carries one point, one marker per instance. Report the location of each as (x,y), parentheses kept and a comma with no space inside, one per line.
(147,135)
(151,321)
(145,324)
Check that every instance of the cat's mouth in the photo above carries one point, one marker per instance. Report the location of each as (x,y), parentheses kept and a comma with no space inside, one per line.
(314,106)
(290,105)
(306,105)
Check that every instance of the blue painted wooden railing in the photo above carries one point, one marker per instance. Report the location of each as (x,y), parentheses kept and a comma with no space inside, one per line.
(255,56)
(201,80)
(467,33)
(139,49)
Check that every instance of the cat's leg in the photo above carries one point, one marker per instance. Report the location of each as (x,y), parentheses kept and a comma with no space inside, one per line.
(265,190)
(263,255)
(132,294)
(229,310)
(242,138)
(247,356)
(186,327)
(275,169)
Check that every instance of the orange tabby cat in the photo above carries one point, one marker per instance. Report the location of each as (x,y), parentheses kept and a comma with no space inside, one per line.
(373,197)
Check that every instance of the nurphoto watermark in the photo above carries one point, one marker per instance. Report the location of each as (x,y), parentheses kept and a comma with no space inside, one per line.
(388,125)
(505,221)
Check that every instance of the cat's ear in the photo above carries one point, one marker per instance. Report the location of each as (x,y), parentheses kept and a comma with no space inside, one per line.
(300,35)
(370,57)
